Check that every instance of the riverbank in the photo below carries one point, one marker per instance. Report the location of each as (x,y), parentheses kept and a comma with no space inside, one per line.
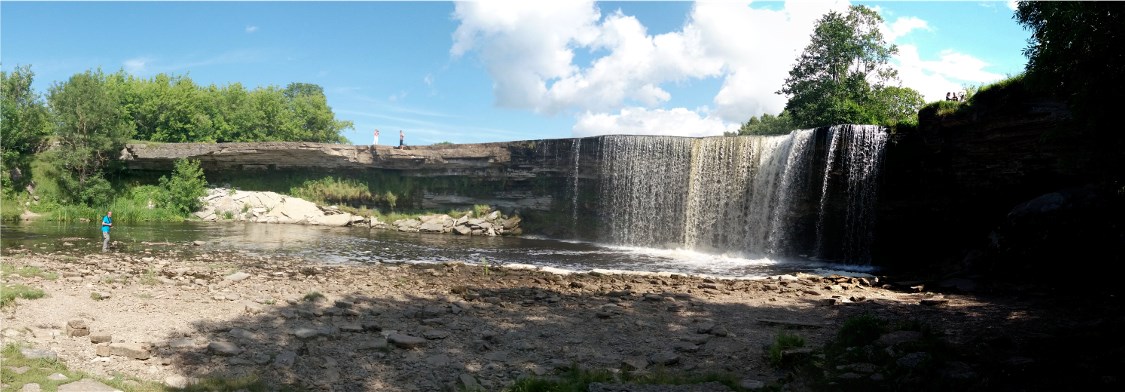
(176,314)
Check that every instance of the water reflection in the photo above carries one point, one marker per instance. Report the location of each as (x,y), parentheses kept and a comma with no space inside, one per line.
(336,245)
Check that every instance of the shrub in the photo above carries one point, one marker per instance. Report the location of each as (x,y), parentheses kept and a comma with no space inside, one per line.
(481,210)
(784,341)
(9,293)
(183,190)
(330,190)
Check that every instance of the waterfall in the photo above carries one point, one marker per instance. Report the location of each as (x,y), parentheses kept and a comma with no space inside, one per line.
(752,195)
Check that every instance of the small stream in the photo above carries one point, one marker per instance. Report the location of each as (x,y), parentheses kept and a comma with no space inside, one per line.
(336,245)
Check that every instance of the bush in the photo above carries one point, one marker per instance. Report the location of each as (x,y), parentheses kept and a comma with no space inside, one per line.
(183,190)
(330,190)
(480,210)
(784,341)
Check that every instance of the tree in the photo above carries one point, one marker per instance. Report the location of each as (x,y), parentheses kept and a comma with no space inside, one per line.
(25,123)
(90,129)
(767,125)
(842,75)
(182,191)
(1076,52)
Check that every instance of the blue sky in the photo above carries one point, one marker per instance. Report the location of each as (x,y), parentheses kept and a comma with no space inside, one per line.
(497,71)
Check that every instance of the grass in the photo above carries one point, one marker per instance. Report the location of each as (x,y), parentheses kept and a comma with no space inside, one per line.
(978,99)
(148,278)
(314,296)
(27,272)
(330,190)
(784,341)
(39,369)
(9,293)
(480,210)
(97,296)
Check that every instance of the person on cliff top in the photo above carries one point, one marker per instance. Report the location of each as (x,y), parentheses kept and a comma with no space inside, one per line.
(376,137)
(107,223)
(401,137)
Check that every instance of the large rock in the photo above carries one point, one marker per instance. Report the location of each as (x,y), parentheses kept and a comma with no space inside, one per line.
(344,219)
(130,350)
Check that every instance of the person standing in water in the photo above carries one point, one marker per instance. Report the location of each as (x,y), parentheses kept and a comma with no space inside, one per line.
(107,223)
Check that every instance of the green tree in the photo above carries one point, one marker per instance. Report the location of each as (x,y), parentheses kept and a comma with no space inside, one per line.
(182,191)
(91,128)
(1075,52)
(897,105)
(25,123)
(767,125)
(842,76)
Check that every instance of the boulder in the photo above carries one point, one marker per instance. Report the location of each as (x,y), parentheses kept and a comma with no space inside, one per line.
(130,350)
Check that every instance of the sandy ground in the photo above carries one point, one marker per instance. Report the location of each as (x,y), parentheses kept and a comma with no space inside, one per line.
(445,326)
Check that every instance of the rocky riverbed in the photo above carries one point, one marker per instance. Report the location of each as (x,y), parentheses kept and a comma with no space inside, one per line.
(176,315)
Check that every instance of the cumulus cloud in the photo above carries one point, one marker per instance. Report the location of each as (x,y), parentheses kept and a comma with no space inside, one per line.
(571,57)
(903,26)
(950,72)
(528,48)
(642,121)
(1013,5)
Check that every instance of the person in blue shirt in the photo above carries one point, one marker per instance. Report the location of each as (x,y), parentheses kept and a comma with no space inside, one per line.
(107,223)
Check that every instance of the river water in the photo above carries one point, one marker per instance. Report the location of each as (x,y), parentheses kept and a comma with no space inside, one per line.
(334,245)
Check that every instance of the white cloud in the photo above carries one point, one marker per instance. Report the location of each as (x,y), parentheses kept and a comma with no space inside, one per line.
(251,29)
(529,50)
(641,121)
(933,78)
(1013,5)
(903,26)
(136,65)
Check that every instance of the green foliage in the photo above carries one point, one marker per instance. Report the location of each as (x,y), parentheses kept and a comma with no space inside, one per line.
(783,341)
(480,210)
(27,272)
(330,190)
(25,123)
(314,296)
(768,125)
(90,129)
(9,293)
(1075,53)
(860,330)
(391,199)
(182,191)
(978,99)
(842,75)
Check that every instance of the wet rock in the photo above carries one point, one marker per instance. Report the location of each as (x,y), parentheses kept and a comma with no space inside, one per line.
(749,383)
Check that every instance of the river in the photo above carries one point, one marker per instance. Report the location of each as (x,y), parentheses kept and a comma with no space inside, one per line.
(343,245)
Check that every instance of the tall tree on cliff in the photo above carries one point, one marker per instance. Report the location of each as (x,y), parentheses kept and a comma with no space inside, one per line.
(25,123)
(90,131)
(1077,51)
(843,75)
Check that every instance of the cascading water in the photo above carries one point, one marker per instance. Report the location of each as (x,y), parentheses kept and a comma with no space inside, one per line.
(750,195)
